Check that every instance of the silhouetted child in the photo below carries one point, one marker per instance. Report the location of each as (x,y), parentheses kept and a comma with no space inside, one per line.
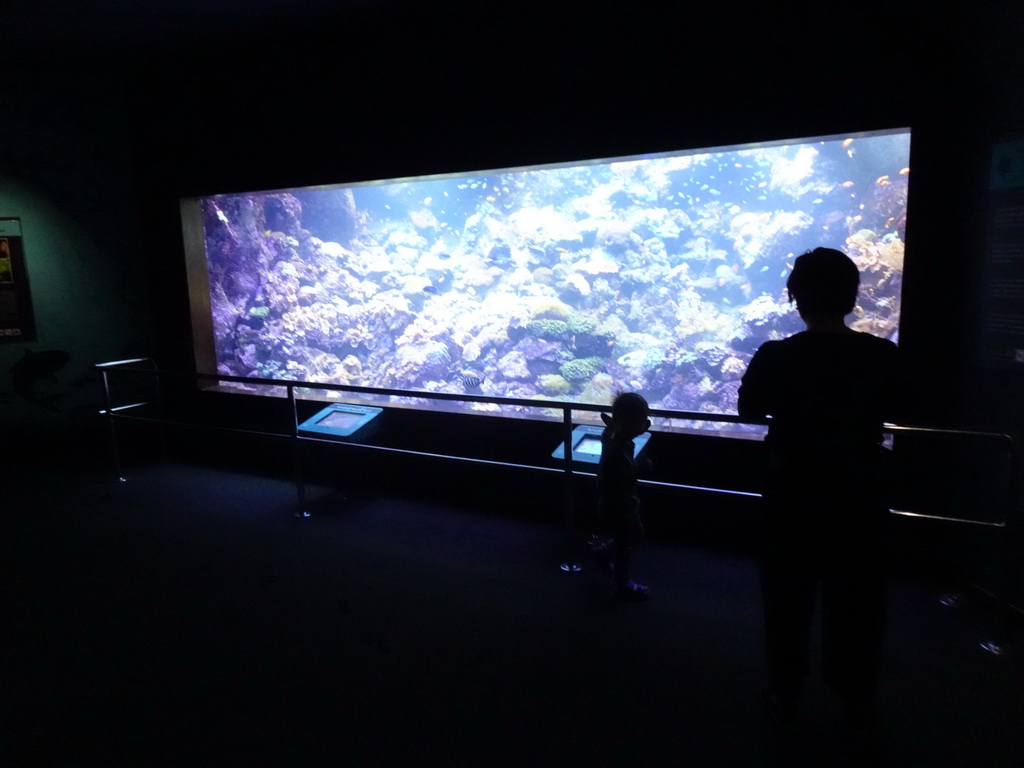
(828,390)
(618,499)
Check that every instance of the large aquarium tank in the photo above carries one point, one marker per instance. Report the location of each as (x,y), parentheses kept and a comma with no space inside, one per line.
(660,274)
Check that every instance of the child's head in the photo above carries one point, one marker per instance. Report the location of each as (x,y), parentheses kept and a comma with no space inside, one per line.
(629,415)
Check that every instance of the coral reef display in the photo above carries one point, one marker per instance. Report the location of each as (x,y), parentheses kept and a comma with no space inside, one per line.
(660,274)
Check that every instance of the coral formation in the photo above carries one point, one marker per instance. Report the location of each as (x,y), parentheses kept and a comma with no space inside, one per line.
(581,368)
(659,275)
(548,329)
(553,384)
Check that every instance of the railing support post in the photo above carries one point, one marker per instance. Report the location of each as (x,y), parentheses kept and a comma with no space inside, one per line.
(300,483)
(1011,567)
(570,565)
(108,410)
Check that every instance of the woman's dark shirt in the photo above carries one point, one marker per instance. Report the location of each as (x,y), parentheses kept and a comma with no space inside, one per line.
(828,395)
(824,392)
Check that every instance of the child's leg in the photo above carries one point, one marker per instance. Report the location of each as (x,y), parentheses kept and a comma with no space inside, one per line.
(604,554)
(629,534)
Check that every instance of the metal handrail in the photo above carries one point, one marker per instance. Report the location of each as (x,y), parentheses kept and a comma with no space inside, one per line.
(523,402)
(290,385)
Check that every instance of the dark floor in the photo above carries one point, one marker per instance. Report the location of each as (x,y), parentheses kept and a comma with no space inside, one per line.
(185,618)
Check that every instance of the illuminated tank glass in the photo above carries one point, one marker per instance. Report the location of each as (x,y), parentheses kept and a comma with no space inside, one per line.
(660,274)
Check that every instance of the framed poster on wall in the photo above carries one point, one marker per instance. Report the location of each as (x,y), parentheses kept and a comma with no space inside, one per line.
(17,321)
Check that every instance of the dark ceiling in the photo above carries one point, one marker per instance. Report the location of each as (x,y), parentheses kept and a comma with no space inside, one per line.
(39,29)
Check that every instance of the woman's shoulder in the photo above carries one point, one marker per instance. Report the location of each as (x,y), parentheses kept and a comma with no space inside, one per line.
(875,344)
(851,339)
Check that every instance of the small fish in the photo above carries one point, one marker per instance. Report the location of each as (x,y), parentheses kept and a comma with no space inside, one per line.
(444,256)
(847,143)
(882,180)
(846,184)
(429,289)
(889,221)
(904,171)
(470,381)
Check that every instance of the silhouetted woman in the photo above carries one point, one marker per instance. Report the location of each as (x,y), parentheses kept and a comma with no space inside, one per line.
(827,391)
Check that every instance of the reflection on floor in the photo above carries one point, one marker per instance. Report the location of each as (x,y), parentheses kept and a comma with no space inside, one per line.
(187,618)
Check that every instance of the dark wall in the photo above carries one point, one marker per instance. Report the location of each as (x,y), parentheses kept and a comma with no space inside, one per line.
(67,170)
(379,96)
(119,124)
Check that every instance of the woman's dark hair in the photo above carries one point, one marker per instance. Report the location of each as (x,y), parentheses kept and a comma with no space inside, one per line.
(629,405)
(824,281)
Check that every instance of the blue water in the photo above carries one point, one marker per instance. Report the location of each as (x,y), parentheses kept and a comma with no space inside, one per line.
(659,275)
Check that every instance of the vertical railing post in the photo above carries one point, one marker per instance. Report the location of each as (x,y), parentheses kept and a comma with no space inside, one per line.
(569,565)
(1009,568)
(300,483)
(108,409)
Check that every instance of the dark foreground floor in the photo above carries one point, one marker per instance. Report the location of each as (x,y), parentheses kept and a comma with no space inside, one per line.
(187,619)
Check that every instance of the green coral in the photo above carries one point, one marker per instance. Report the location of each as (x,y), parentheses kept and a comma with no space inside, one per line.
(547,307)
(581,368)
(554,384)
(580,324)
(548,329)
(259,312)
